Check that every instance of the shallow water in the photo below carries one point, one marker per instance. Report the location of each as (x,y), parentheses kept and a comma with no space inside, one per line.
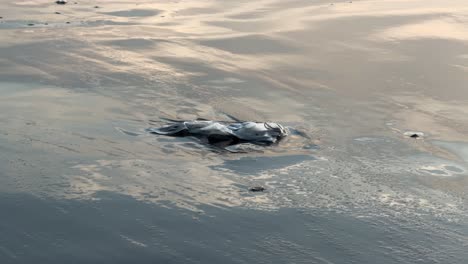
(81,180)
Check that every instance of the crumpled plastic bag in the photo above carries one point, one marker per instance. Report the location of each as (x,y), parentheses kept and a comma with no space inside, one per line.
(225,133)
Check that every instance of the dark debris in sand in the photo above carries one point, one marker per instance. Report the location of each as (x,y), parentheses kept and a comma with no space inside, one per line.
(257,189)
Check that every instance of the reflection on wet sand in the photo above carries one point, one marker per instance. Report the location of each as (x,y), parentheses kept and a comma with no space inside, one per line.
(351,76)
(282,70)
(155,181)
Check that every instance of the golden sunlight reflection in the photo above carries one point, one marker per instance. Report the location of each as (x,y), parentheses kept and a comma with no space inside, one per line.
(93,79)
(451,29)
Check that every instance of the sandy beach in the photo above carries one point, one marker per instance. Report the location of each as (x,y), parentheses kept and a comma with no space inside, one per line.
(82,181)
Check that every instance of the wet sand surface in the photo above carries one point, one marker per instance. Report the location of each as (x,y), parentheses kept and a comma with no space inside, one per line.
(82,182)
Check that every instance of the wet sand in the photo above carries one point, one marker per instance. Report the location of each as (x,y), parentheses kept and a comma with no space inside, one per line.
(82,181)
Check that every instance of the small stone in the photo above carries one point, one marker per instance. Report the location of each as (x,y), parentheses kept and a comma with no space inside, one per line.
(30,24)
(61,2)
(68,22)
(58,13)
(96,7)
(257,189)
(413,134)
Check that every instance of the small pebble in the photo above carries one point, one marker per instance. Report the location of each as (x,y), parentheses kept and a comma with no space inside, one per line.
(68,22)
(61,2)
(414,134)
(58,13)
(30,24)
(96,7)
